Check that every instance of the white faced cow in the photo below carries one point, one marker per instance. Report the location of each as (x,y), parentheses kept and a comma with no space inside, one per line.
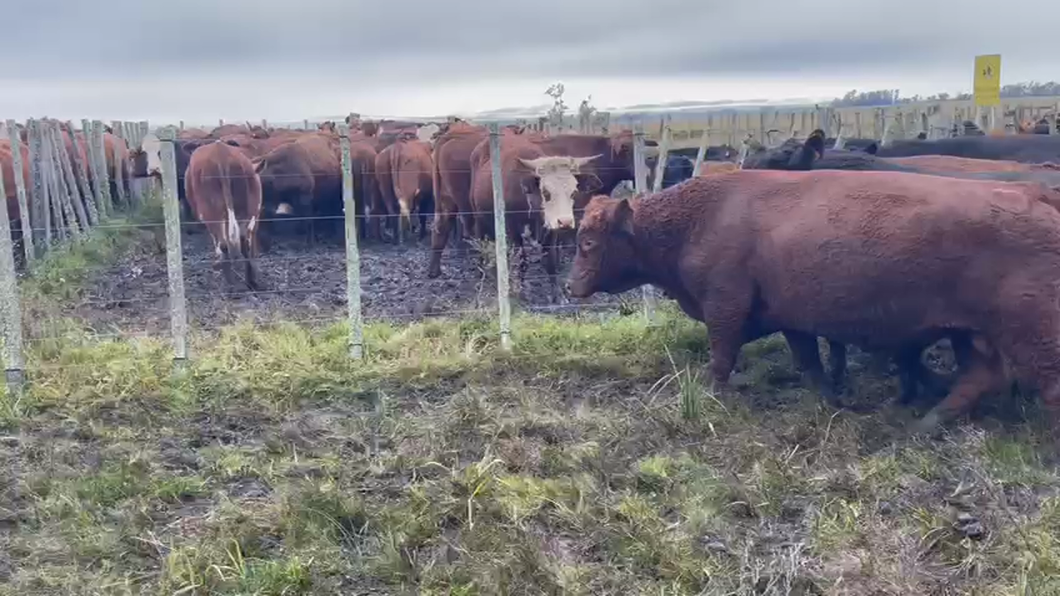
(556,187)
(539,197)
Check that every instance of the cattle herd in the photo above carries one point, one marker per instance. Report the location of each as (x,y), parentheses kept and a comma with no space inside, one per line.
(246,181)
(888,248)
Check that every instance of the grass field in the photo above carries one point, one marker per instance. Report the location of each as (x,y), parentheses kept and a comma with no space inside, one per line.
(594,459)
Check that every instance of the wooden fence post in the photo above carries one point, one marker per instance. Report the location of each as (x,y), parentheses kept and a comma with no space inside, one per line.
(10,309)
(20,191)
(501,234)
(178,315)
(79,162)
(66,169)
(92,161)
(101,156)
(701,155)
(119,166)
(64,191)
(353,255)
(640,185)
(660,165)
(41,217)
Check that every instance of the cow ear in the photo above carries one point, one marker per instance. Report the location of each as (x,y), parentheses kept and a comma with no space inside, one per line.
(872,148)
(624,217)
(588,183)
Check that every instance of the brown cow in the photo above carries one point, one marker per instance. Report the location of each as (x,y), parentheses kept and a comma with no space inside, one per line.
(878,259)
(303,178)
(224,192)
(14,213)
(539,195)
(406,181)
(452,186)
(192,134)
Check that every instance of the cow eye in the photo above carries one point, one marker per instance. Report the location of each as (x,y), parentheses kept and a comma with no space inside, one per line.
(545,194)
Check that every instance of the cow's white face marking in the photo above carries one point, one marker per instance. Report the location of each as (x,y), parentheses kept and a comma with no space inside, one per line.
(558,187)
(283,209)
(152,147)
(426,133)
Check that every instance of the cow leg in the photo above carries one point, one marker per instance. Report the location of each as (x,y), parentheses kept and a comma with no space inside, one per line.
(909,366)
(548,260)
(250,251)
(807,357)
(837,361)
(726,315)
(984,373)
(443,221)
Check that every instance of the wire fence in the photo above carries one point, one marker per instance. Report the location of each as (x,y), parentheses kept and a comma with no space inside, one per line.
(356,232)
(78,191)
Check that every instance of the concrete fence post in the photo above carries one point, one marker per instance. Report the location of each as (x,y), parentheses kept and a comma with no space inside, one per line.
(20,192)
(10,309)
(178,315)
(504,304)
(353,255)
(640,182)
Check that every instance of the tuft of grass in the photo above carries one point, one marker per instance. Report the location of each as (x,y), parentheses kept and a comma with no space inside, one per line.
(594,459)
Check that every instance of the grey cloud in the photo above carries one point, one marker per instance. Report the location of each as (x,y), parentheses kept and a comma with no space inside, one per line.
(380,43)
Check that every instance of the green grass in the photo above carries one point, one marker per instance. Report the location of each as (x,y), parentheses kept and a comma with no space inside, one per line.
(593,459)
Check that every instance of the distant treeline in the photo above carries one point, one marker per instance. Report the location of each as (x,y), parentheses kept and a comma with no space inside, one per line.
(888,97)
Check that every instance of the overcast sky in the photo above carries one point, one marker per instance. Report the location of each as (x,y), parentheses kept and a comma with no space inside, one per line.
(200,60)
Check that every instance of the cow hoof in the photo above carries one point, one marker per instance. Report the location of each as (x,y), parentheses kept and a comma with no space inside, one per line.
(433,273)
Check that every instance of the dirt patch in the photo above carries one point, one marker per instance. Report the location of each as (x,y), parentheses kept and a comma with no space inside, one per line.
(307,283)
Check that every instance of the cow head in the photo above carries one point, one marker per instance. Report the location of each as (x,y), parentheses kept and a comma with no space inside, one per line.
(789,155)
(151,148)
(428,132)
(606,257)
(558,179)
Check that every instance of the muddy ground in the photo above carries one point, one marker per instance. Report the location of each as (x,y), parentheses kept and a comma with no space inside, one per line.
(307,283)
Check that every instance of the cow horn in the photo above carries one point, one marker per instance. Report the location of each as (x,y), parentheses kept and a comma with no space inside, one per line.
(576,163)
(533,164)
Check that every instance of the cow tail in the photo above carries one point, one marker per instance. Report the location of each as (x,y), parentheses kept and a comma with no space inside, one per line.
(436,174)
(233,236)
(395,168)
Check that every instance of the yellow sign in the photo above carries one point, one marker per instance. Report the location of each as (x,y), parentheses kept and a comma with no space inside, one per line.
(987,86)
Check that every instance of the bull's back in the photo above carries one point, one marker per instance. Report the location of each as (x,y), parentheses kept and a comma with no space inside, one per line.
(878,237)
